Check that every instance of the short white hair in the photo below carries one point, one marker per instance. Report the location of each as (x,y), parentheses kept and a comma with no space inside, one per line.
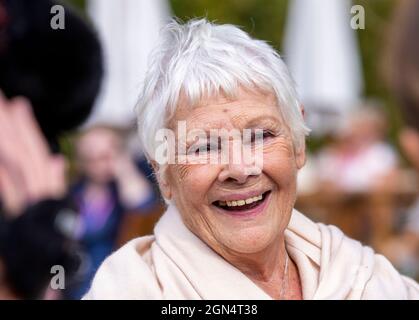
(200,59)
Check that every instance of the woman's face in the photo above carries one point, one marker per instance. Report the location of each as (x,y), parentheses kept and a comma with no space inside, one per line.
(232,207)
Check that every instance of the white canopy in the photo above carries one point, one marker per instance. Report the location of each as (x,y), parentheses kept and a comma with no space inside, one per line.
(321,51)
(128,30)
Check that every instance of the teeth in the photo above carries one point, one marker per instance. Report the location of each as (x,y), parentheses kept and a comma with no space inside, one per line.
(238,203)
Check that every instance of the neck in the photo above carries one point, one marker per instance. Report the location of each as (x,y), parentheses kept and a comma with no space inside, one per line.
(263,265)
(268,270)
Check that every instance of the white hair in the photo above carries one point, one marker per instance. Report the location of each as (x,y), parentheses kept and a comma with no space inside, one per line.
(201,59)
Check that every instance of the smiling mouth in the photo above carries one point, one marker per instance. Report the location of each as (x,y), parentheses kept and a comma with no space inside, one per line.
(242,204)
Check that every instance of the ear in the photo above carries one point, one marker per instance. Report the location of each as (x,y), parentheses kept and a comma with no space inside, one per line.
(300,155)
(161,175)
(303,112)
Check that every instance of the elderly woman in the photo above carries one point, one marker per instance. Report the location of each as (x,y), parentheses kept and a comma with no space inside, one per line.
(230,230)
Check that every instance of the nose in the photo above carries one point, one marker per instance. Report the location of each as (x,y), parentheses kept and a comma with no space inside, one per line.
(238,172)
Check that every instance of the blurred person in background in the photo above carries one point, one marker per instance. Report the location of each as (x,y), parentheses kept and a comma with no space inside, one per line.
(402,71)
(355,177)
(110,189)
(359,160)
(49,80)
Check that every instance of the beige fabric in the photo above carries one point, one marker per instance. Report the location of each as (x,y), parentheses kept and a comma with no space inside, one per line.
(175,264)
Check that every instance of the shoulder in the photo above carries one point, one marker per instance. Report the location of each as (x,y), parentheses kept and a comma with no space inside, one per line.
(387,283)
(362,273)
(127,273)
(374,275)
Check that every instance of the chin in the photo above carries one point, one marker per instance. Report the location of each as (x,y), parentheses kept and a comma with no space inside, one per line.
(251,240)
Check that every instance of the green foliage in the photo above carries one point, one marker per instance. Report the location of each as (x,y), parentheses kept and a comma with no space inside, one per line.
(263,19)
(76,3)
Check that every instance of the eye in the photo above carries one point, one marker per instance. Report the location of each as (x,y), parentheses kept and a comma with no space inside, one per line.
(204,148)
(212,147)
(267,134)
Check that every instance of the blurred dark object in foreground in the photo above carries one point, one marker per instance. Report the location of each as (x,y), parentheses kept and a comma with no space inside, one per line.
(59,71)
(32,244)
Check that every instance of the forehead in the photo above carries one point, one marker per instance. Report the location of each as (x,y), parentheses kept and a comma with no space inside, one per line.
(247,108)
